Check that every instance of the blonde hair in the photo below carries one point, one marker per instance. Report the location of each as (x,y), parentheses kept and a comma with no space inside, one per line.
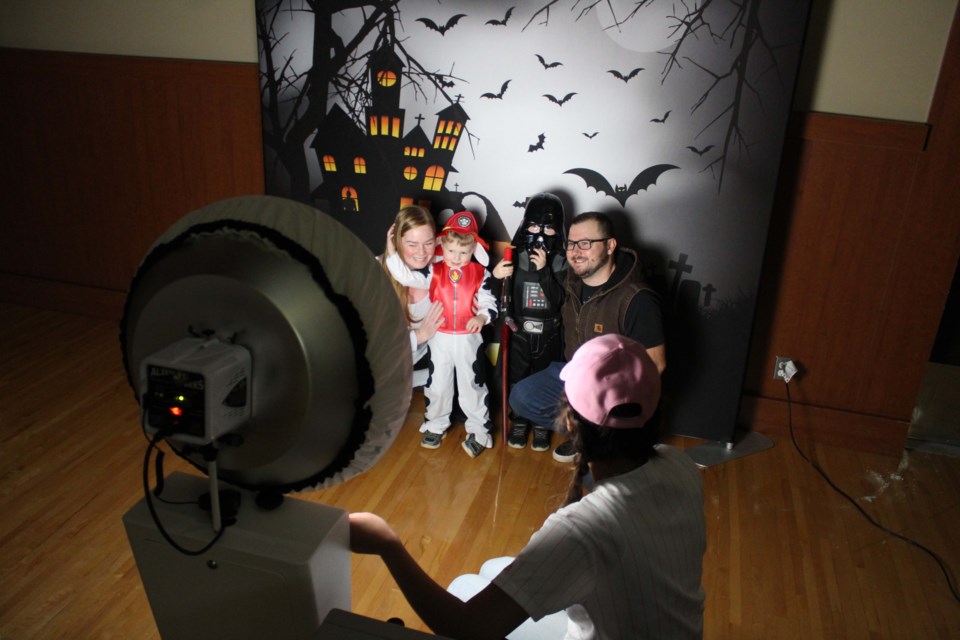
(459,238)
(409,217)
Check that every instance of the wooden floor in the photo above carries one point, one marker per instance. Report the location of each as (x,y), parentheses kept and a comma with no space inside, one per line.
(787,557)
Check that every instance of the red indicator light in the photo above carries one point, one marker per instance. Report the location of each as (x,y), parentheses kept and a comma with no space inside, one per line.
(176,411)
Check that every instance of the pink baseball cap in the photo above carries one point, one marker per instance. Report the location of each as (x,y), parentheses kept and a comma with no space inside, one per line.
(610,371)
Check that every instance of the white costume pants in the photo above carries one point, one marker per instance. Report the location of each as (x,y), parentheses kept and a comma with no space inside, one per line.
(455,355)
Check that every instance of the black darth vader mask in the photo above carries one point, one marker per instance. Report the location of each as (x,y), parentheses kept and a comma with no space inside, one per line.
(542,225)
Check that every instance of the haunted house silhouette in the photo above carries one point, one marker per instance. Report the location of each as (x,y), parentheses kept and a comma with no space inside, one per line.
(368,175)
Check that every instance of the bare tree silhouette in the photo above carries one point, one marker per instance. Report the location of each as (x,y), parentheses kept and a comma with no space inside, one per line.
(733,24)
(296,87)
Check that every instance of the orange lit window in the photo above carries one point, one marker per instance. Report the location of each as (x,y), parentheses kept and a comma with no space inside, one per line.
(387,126)
(386,78)
(445,142)
(433,180)
(359,165)
(329,164)
(410,173)
(348,198)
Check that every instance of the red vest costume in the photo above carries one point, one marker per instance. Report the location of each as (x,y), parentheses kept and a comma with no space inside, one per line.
(456,288)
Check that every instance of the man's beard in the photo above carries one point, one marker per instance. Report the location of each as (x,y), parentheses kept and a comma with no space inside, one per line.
(597,266)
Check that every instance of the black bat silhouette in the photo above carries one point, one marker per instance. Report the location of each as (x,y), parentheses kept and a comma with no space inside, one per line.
(518,204)
(439,79)
(451,23)
(643,180)
(700,152)
(498,96)
(501,23)
(590,135)
(625,78)
(547,65)
(538,146)
(559,101)
(661,120)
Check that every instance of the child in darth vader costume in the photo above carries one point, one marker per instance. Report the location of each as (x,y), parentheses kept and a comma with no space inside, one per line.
(535,276)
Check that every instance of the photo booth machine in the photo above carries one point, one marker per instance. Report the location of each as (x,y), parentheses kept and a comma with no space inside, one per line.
(267,348)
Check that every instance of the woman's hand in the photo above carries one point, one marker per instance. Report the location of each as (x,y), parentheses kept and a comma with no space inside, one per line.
(504,269)
(431,323)
(391,246)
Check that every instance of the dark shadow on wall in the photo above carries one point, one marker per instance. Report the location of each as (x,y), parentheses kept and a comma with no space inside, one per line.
(787,184)
(946,346)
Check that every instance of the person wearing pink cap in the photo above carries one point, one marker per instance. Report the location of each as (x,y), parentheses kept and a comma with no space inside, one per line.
(462,286)
(623,561)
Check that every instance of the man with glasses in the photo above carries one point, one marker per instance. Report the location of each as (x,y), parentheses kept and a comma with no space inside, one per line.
(605,293)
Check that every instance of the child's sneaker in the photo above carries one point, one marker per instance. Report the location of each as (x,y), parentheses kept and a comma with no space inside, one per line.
(472,447)
(565,452)
(541,439)
(431,440)
(518,436)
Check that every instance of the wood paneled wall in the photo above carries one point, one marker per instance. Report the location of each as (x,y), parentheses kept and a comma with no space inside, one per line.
(99,154)
(863,245)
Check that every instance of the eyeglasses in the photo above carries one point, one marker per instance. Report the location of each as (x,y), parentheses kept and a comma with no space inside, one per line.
(583,245)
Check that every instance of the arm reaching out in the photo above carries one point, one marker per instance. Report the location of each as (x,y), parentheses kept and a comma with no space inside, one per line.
(489,614)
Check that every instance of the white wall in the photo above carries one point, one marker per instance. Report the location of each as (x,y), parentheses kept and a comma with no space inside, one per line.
(873,58)
(193,29)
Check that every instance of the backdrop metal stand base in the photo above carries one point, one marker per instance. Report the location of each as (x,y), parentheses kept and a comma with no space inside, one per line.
(745,443)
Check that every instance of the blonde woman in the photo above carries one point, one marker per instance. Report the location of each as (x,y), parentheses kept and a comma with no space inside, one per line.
(413,236)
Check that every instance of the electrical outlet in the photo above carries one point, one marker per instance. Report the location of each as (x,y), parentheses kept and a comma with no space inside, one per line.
(779,367)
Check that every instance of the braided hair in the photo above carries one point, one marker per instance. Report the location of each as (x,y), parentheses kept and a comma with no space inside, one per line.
(593,442)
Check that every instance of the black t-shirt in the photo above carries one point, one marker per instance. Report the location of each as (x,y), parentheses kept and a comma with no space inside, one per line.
(643,321)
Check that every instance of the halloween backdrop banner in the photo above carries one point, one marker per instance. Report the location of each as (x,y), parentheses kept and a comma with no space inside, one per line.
(667,115)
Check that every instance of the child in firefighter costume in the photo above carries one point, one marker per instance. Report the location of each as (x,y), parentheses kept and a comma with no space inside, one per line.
(536,275)
(462,285)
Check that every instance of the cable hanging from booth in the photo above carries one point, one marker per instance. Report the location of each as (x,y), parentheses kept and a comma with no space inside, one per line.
(216,519)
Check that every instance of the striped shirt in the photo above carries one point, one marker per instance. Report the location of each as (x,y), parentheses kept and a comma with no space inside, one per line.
(625,561)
